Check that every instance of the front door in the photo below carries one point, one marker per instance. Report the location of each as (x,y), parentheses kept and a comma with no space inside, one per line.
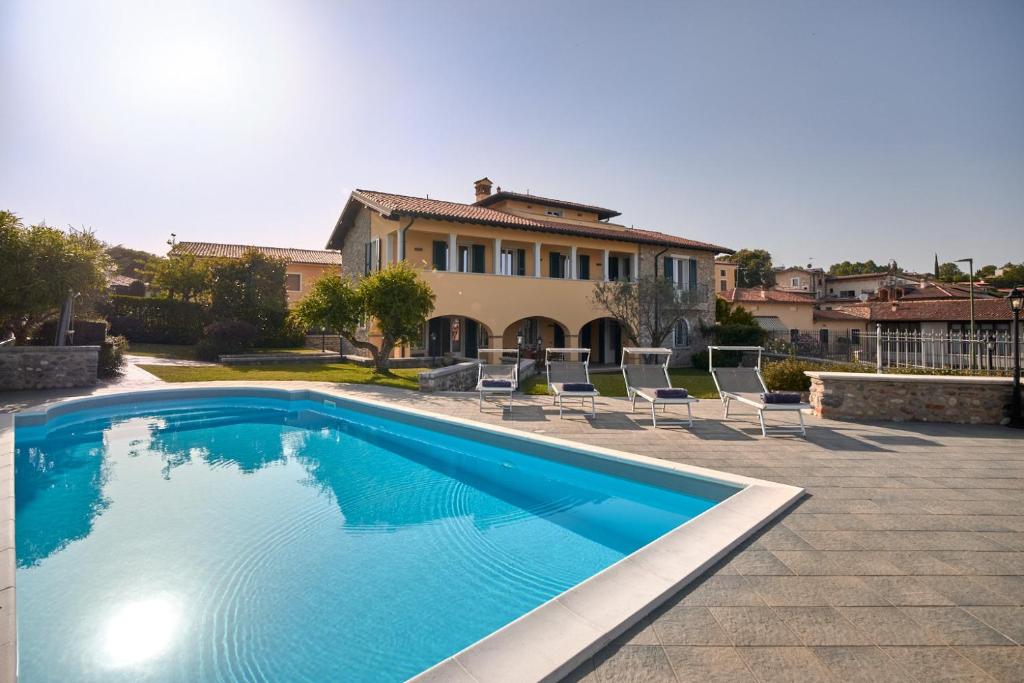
(616,334)
(439,340)
(559,337)
(469,338)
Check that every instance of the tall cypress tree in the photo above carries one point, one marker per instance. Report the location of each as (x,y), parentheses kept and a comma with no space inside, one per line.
(936,266)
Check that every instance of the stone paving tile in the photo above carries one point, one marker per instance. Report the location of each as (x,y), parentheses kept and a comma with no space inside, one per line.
(633,663)
(905,590)
(785,664)
(822,626)
(936,664)
(861,664)
(1005,664)
(754,626)
(1009,621)
(955,626)
(708,664)
(963,590)
(751,562)
(689,626)
(1012,587)
(889,626)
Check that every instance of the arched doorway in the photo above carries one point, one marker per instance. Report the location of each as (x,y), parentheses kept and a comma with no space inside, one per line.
(538,332)
(604,338)
(457,335)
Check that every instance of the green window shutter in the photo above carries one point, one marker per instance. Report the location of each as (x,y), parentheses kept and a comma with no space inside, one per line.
(584,267)
(554,264)
(613,268)
(440,255)
(693,274)
(668,269)
(479,264)
(520,262)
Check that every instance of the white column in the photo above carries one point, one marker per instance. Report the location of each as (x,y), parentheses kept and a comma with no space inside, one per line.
(400,245)
(453,252)
(604,262)
(634,275)
(572,262)
(387,249)
(536,259)
(497,256)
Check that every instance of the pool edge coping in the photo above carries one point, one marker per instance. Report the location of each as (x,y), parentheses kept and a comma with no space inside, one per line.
(551,640)
(8,621)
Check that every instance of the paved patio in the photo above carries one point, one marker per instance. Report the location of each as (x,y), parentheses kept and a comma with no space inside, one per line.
(904,562)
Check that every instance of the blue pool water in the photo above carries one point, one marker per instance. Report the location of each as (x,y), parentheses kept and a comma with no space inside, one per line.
(255,539)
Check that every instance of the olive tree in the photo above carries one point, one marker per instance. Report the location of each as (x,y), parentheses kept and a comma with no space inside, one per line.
(647,310)
(395,300)
(41,266)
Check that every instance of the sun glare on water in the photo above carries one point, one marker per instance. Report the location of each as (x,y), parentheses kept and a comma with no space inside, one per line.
(140,631)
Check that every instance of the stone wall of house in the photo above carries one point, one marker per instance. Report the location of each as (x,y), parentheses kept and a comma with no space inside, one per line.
(48,367)
(702,313)
(917,398)
(352,250)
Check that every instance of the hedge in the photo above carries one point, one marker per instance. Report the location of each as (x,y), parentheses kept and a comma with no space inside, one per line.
(156,321)
(87,332)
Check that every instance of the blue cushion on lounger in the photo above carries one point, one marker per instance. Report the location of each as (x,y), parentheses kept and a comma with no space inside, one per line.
(577,386)
(780,397)
(496,384)
(672,393)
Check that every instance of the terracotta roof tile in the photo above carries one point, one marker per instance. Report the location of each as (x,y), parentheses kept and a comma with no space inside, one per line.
(954,310)
(404,205)
(547,201)
(756,295)
(212,249)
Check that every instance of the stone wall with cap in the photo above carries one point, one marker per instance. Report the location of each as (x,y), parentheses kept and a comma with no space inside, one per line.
(48,367)
(912,398)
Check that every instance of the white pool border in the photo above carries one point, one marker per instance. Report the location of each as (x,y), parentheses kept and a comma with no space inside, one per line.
(546,643)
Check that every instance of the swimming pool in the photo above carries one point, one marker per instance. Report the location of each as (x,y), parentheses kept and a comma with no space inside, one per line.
(252,535)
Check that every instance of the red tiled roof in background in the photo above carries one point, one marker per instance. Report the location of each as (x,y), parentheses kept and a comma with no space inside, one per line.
(404,205)
(601,212)
(212,249)
(756,295)
(834,314)
(955,310)
(946,291)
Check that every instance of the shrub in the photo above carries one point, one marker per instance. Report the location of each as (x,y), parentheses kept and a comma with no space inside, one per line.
(788,374)
(112,351)
(87,332)
(740,335)
(290,334)
(157,321)
(723,359)
(226,337)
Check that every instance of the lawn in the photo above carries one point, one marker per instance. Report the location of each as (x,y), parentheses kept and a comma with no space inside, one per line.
(187,352)
(341,373)
(697,382)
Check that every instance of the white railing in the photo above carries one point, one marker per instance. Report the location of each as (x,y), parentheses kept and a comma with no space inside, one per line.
(984,350)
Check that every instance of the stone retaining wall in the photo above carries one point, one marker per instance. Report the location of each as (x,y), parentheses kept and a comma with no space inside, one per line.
(458,377)
(48,367)
(920,398)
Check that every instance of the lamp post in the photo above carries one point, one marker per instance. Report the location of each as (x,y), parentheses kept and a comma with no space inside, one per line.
(1016,301)
(323,339)
(970,345)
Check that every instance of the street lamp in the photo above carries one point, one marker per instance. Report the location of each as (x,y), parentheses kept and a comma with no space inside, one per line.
(970,346)
(323,339)
(1016,300)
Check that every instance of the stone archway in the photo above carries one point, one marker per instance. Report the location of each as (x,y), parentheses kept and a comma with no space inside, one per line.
(458,335)
(605,339)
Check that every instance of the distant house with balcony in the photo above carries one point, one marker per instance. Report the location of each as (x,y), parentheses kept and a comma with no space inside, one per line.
(515,265)
(809,280)
(725,275)
(302,266)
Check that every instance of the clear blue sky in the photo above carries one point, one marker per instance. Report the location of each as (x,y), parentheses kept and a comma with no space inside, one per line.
(832,130)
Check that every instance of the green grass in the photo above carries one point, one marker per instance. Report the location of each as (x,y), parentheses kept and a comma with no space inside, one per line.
(341,373)
(187,352)
(697,382)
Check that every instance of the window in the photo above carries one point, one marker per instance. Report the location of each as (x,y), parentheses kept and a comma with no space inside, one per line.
(855,337)
(847,293)
(722,272)
(794,282)
(440,260)
(681,334)
(583,267)
(293,282)
(554,212)
(723,285)
(682,272)
(556,264)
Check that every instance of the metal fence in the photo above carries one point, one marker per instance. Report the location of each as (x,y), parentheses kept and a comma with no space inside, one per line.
(986,351)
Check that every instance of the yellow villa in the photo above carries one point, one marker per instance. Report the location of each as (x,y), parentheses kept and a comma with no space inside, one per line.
(515,265)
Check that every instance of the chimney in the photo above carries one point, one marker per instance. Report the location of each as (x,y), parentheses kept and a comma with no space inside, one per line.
(482,188)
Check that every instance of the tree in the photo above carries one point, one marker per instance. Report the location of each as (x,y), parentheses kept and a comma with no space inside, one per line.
(251,289)
(754,268)
(130,262)
(181,276)
(395,298)
(950,272)
(647,310)
(1011,275)
(729,314)
(986,271)
(856,268)
(40,267)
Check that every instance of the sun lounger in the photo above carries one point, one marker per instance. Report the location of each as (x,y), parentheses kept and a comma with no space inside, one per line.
(569,379)
(746,386)
(496,379)
(650,382)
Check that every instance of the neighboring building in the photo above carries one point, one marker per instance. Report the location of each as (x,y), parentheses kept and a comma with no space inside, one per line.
(513,264)
(304,266)
(124,285)
(936,316)
(944,291)
(725,275)
(777,311)
(871,285)
(807,280)
(839,324)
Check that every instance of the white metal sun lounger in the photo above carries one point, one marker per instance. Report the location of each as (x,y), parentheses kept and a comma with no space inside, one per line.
(561,372)
(746,385)
(643,380)
(497,379)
